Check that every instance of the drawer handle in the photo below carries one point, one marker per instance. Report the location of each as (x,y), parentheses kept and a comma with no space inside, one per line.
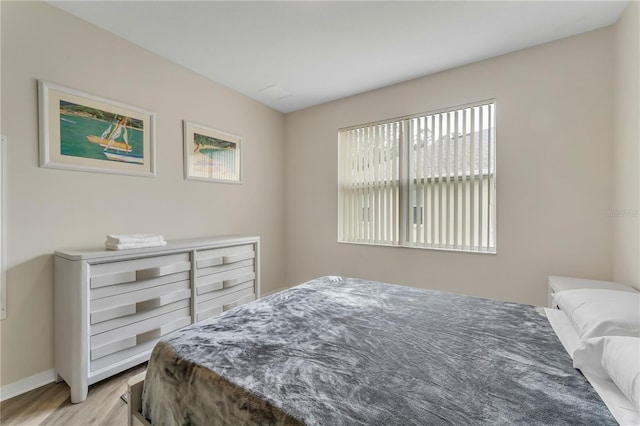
(149,335)
(211,261)
(238,302)
(228,306)
(210,287)
(112,347)
(162,330)
(238,257)
(239,280)
(209,312)
(162,300)
(159,271)
(112,279)
(111,313)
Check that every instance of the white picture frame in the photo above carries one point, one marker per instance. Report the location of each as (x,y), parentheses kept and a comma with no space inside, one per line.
(84,132)
(211,155)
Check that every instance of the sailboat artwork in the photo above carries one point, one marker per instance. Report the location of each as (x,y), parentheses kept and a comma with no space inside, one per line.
(107,136)
(113,149)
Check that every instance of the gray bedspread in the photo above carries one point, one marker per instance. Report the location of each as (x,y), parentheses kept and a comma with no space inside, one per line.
(341,351)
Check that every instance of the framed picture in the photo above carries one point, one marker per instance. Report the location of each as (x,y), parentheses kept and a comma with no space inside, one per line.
(79,131)
(211,155)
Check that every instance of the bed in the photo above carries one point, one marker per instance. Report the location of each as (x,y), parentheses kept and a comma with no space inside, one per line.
(345,351)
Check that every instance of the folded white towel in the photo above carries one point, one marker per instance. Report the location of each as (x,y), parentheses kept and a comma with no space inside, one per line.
(111,246)
(134,238)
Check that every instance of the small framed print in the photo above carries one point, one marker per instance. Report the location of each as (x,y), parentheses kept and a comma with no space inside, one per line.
(211,155)
(79,131)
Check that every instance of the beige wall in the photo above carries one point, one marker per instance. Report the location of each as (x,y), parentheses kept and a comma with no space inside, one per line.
(49,209)
(626,162)
(554,157)
(555,169)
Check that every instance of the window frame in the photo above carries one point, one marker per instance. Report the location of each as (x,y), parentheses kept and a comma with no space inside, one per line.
(406,209)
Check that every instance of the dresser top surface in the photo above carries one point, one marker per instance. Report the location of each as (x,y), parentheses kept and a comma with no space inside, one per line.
(93,253)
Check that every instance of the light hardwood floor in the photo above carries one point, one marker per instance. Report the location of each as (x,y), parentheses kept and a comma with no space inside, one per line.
(51,404)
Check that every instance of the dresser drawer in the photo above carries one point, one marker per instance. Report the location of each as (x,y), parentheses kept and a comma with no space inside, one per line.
(212,270)
(227,279)
(128,271)
(250,285)
(224,256)
(107,325)
(116,289)
(121,338)
(207,312)
(224,300)
(136,302)
(135,342)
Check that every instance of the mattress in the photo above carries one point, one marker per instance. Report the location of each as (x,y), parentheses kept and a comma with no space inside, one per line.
(345,351)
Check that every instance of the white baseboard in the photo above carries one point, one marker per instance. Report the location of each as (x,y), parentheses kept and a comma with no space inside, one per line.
(25,385)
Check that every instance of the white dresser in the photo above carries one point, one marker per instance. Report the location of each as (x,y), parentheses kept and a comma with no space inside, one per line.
(111,307)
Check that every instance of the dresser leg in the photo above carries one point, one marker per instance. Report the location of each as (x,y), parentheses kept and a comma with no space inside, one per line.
(78,394)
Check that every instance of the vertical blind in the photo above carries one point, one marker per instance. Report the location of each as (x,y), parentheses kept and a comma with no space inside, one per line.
(421,181)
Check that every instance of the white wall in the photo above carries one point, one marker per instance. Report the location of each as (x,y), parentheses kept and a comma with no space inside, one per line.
(626,127)
(51,209)
(554,156)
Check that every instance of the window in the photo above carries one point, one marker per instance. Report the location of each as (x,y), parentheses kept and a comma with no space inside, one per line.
(421,181)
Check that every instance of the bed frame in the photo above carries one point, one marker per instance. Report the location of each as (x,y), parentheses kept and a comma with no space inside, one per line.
(135,385)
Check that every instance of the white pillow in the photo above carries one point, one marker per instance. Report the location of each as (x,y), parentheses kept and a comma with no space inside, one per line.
(597,312)
(613,357)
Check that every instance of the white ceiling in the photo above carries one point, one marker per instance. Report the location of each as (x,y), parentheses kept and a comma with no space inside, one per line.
(318,51)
